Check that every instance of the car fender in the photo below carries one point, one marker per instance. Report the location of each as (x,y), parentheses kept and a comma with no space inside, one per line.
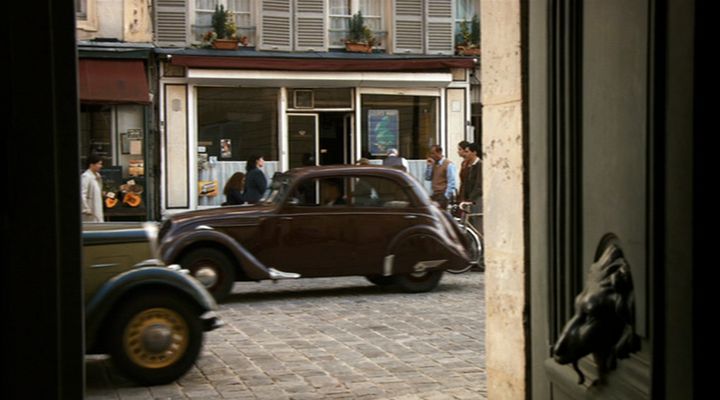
(114,289)
(253,268)
(404,260)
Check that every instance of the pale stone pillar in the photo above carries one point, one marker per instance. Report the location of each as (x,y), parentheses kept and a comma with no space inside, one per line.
(503,197)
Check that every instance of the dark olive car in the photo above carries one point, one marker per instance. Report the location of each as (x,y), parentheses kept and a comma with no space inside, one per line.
(149,317)
(326,221)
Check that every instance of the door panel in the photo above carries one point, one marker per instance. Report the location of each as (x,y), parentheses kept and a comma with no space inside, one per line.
(302,140)
(332,139)
(317,241)
(598,184)
(614,134)
(381,210)
(317,230)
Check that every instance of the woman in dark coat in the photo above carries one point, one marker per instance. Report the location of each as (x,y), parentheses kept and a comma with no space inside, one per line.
(255,180)
(234,189)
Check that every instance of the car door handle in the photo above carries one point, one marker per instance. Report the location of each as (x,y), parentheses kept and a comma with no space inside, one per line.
(411,217)
(286,218)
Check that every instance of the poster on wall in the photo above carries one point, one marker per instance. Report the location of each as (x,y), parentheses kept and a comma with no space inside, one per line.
(135,142)
(382,131)
(111,178)
(225,148)
(208,188)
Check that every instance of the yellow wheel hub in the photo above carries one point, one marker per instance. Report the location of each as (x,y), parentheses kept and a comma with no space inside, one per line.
(156,338)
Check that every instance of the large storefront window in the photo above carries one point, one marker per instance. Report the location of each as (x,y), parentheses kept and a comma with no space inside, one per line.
(233,125)
(116,133)
(408,123)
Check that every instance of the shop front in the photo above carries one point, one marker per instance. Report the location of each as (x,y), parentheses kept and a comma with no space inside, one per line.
(115,110)
(215,119)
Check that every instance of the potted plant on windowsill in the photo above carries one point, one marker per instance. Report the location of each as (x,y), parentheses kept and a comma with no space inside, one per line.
(224,33)
(360,39)
(468,40)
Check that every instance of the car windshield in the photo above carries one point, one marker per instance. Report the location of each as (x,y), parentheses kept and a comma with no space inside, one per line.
(278,189)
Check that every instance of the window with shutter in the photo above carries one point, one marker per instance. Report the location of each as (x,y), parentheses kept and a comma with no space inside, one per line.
(86,15)
(339,16)
(171,23)
(275,25)
(310,25)
(439,27)
(81,9)
(408,26)
(465,10)
(241,11)
(341,11)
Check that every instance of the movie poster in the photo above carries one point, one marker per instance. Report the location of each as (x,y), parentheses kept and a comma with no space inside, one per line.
(383,128)
(225,148)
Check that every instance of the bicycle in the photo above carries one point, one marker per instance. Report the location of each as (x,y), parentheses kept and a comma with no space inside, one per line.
(462,217)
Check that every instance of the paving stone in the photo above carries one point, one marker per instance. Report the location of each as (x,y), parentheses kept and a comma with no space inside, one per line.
(339,338)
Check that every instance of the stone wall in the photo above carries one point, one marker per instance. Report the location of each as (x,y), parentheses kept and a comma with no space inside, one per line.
(127,21)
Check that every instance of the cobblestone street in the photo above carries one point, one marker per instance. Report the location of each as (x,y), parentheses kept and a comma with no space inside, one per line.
(336,338)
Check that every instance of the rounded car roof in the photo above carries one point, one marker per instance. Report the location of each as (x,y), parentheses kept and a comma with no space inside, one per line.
(345,169)
(395,174)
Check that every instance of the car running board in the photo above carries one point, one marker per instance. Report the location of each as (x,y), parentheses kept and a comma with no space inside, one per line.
(277,274)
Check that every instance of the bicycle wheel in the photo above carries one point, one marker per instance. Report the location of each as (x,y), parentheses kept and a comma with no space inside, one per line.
(475,252)
(478,258)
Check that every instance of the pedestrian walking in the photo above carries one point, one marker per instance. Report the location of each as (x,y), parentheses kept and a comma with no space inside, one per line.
(91,191)
(255,180)
(395,161)
(464,166)
(233,190)
(442,173)
(473,190)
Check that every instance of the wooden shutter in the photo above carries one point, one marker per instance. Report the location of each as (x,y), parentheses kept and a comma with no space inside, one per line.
(408,26)
(171,23)
(439,27)
(275,25)
(311,25)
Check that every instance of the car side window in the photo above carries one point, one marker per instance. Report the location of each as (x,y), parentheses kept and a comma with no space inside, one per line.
(371,191)
(304,194)
(322,192)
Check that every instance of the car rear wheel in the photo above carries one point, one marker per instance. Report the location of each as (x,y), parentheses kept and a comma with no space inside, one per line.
(213,269)
(419,282)
(155,338)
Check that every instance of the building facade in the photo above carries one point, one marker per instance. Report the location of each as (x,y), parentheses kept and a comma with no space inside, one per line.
(296,97)
(293,94)
(117,81)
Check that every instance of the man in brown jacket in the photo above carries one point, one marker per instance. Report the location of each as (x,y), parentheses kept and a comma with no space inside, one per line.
(443,175)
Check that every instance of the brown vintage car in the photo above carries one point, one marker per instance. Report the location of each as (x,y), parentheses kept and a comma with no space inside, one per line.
(325,221)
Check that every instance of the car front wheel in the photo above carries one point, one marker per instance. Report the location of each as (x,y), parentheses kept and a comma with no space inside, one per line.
(155,338)
(213,269)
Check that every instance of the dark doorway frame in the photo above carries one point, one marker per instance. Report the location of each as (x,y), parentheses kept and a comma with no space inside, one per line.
(42,293)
